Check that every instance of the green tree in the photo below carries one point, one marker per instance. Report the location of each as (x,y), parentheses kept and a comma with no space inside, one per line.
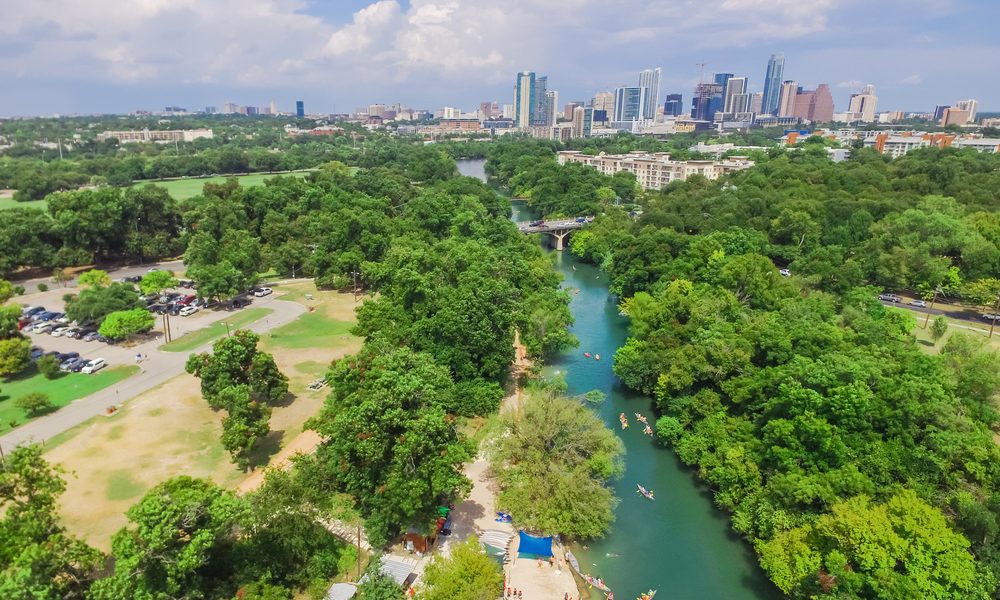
(48,366)
(15,355)
(939,327)
(468,573)
(553,464)
(92,305)
(246,424)
(38,560)
(7,290)
(94,278)
(387,440)
(177,542)
(377,585)
(121,324)
(156,281)
(61,276)
(35,403)
(235,360)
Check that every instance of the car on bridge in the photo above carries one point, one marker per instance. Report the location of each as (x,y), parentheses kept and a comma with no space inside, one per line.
(537,223)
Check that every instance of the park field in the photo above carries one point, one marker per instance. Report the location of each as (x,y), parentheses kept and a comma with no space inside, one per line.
(62,390)
(8,202)
(181,189)
(213,331)
(111,462)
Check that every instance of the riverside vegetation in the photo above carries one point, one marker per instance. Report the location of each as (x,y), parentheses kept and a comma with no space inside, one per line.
(856,464)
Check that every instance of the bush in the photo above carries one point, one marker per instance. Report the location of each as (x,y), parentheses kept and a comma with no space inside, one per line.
(35,403)
(48,366)
(18,290)
(43,287)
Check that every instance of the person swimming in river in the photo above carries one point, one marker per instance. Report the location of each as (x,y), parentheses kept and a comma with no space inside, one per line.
(641,418)
(624,420)
(648,431)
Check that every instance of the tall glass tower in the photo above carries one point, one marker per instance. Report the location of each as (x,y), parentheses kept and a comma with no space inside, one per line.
(772,84)
(649,81)
(524,99)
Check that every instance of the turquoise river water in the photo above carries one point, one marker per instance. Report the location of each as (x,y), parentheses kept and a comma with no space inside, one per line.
(678,544)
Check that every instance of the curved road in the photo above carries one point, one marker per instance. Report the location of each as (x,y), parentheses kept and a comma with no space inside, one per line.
(160,368)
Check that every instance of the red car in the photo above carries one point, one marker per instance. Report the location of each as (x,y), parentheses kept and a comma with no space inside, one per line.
(187,299)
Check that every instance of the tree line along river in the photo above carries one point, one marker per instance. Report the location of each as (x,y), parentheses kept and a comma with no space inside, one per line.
(678,544)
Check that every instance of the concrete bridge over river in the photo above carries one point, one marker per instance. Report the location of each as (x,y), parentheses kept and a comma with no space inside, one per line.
(558,229)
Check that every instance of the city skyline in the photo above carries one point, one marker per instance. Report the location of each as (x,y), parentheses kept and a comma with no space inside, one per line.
(67,57)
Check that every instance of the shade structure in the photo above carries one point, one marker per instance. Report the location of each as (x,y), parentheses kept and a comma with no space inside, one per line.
(537,546)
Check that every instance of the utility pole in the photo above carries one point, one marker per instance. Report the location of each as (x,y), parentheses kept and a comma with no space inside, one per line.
(933,299)
(355,274)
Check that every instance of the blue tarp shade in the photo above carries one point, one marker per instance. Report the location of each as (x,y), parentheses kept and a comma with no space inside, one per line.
(538,546)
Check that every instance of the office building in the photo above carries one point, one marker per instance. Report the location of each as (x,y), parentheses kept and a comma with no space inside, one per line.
(863,105)
(583,121)
(274,107)
(628,104)
(508,111)
(939,111)
(707,101)
(969,106)
(300,109)
(673,106)
(539,115)
(488,110)
(757,103)
(569,108)
(551,107)
(814,105)
(786,99)
(649,81)
(737,100)
(655,171)
(955,116)
(772,84)
(229,108)
(210,110)
(524,99)
(722,79)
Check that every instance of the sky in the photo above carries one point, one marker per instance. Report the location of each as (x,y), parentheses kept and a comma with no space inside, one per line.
(118,56)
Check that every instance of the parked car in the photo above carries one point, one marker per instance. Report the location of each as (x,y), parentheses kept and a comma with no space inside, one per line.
(990,317)
(43,326)
(889,298)
(187,300)
(240,302)
(94,365)
(90,337)
(174,310)
(68,364)
(158,309)
(261,292)
(187,311)
(36,352)
(186,283)
(917,303)
(784,272)
(30,311)
(64,356)
(59,331)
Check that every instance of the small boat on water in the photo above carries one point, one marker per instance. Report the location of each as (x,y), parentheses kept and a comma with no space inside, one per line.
(624,420)
(647,493)
(597,357)
(587,354)
(641,418)
(594,581)
(647,595)
(648,431)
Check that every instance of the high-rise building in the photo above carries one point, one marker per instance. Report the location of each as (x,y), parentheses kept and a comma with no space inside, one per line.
(939,111)
(210,110)
(274,107)
(815,105)
(786,99)
(524,99)
(488,110)
(722,79)
(674,105)
(757,103)
(603,101)
(539,115)
(649,81)
(449,112)
(955,116)
(569,108)
(508,111)
(970,106)
(863,105)
(707,101)
(583,120)
(551,107)
(230,108)
(737,99)
(772,84)
(629,104)
(300,108)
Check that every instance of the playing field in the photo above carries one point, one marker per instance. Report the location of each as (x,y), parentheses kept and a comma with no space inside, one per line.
(7,202)
(190,187)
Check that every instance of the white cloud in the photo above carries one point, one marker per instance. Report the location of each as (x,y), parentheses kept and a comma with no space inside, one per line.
(911,80)
(850,84)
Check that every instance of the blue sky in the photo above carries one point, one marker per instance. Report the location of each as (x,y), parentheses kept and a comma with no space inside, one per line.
(81,56)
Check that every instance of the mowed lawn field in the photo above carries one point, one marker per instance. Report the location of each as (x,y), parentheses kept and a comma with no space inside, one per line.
(7,202)
(182,189)
(61,391)
(170,431)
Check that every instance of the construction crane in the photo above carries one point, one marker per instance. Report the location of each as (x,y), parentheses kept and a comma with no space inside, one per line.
(701,73)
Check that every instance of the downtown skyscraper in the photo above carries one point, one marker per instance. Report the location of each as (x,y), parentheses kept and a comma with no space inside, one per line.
(772,83)
(525,103)
(649,81)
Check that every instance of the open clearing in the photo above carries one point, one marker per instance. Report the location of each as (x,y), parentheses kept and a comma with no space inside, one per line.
(9,202)
(169,431)
(182,189)
(61,390)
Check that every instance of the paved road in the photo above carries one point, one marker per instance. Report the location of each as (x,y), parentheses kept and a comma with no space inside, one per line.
(159,368)
(953,311)
(116,274)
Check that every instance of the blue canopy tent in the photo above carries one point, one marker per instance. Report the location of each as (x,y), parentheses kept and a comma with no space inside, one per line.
(535,546)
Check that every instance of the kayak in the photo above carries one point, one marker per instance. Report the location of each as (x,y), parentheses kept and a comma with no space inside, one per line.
(647,596)
(648,494)
(597,357)
(624,420)
(648,431)
(587,354)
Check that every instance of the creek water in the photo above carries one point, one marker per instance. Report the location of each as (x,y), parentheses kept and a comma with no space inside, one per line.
(678,544)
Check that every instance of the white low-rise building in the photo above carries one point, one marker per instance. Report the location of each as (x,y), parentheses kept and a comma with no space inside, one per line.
(156,135)
(655,171)
(991,145)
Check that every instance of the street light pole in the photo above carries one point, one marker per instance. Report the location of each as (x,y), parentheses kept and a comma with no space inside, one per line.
(227,329)
(355,274)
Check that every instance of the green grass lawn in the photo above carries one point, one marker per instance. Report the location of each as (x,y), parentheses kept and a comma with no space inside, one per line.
(190,341)
(61,391)
(187,188)
(6,203)
(311,330)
